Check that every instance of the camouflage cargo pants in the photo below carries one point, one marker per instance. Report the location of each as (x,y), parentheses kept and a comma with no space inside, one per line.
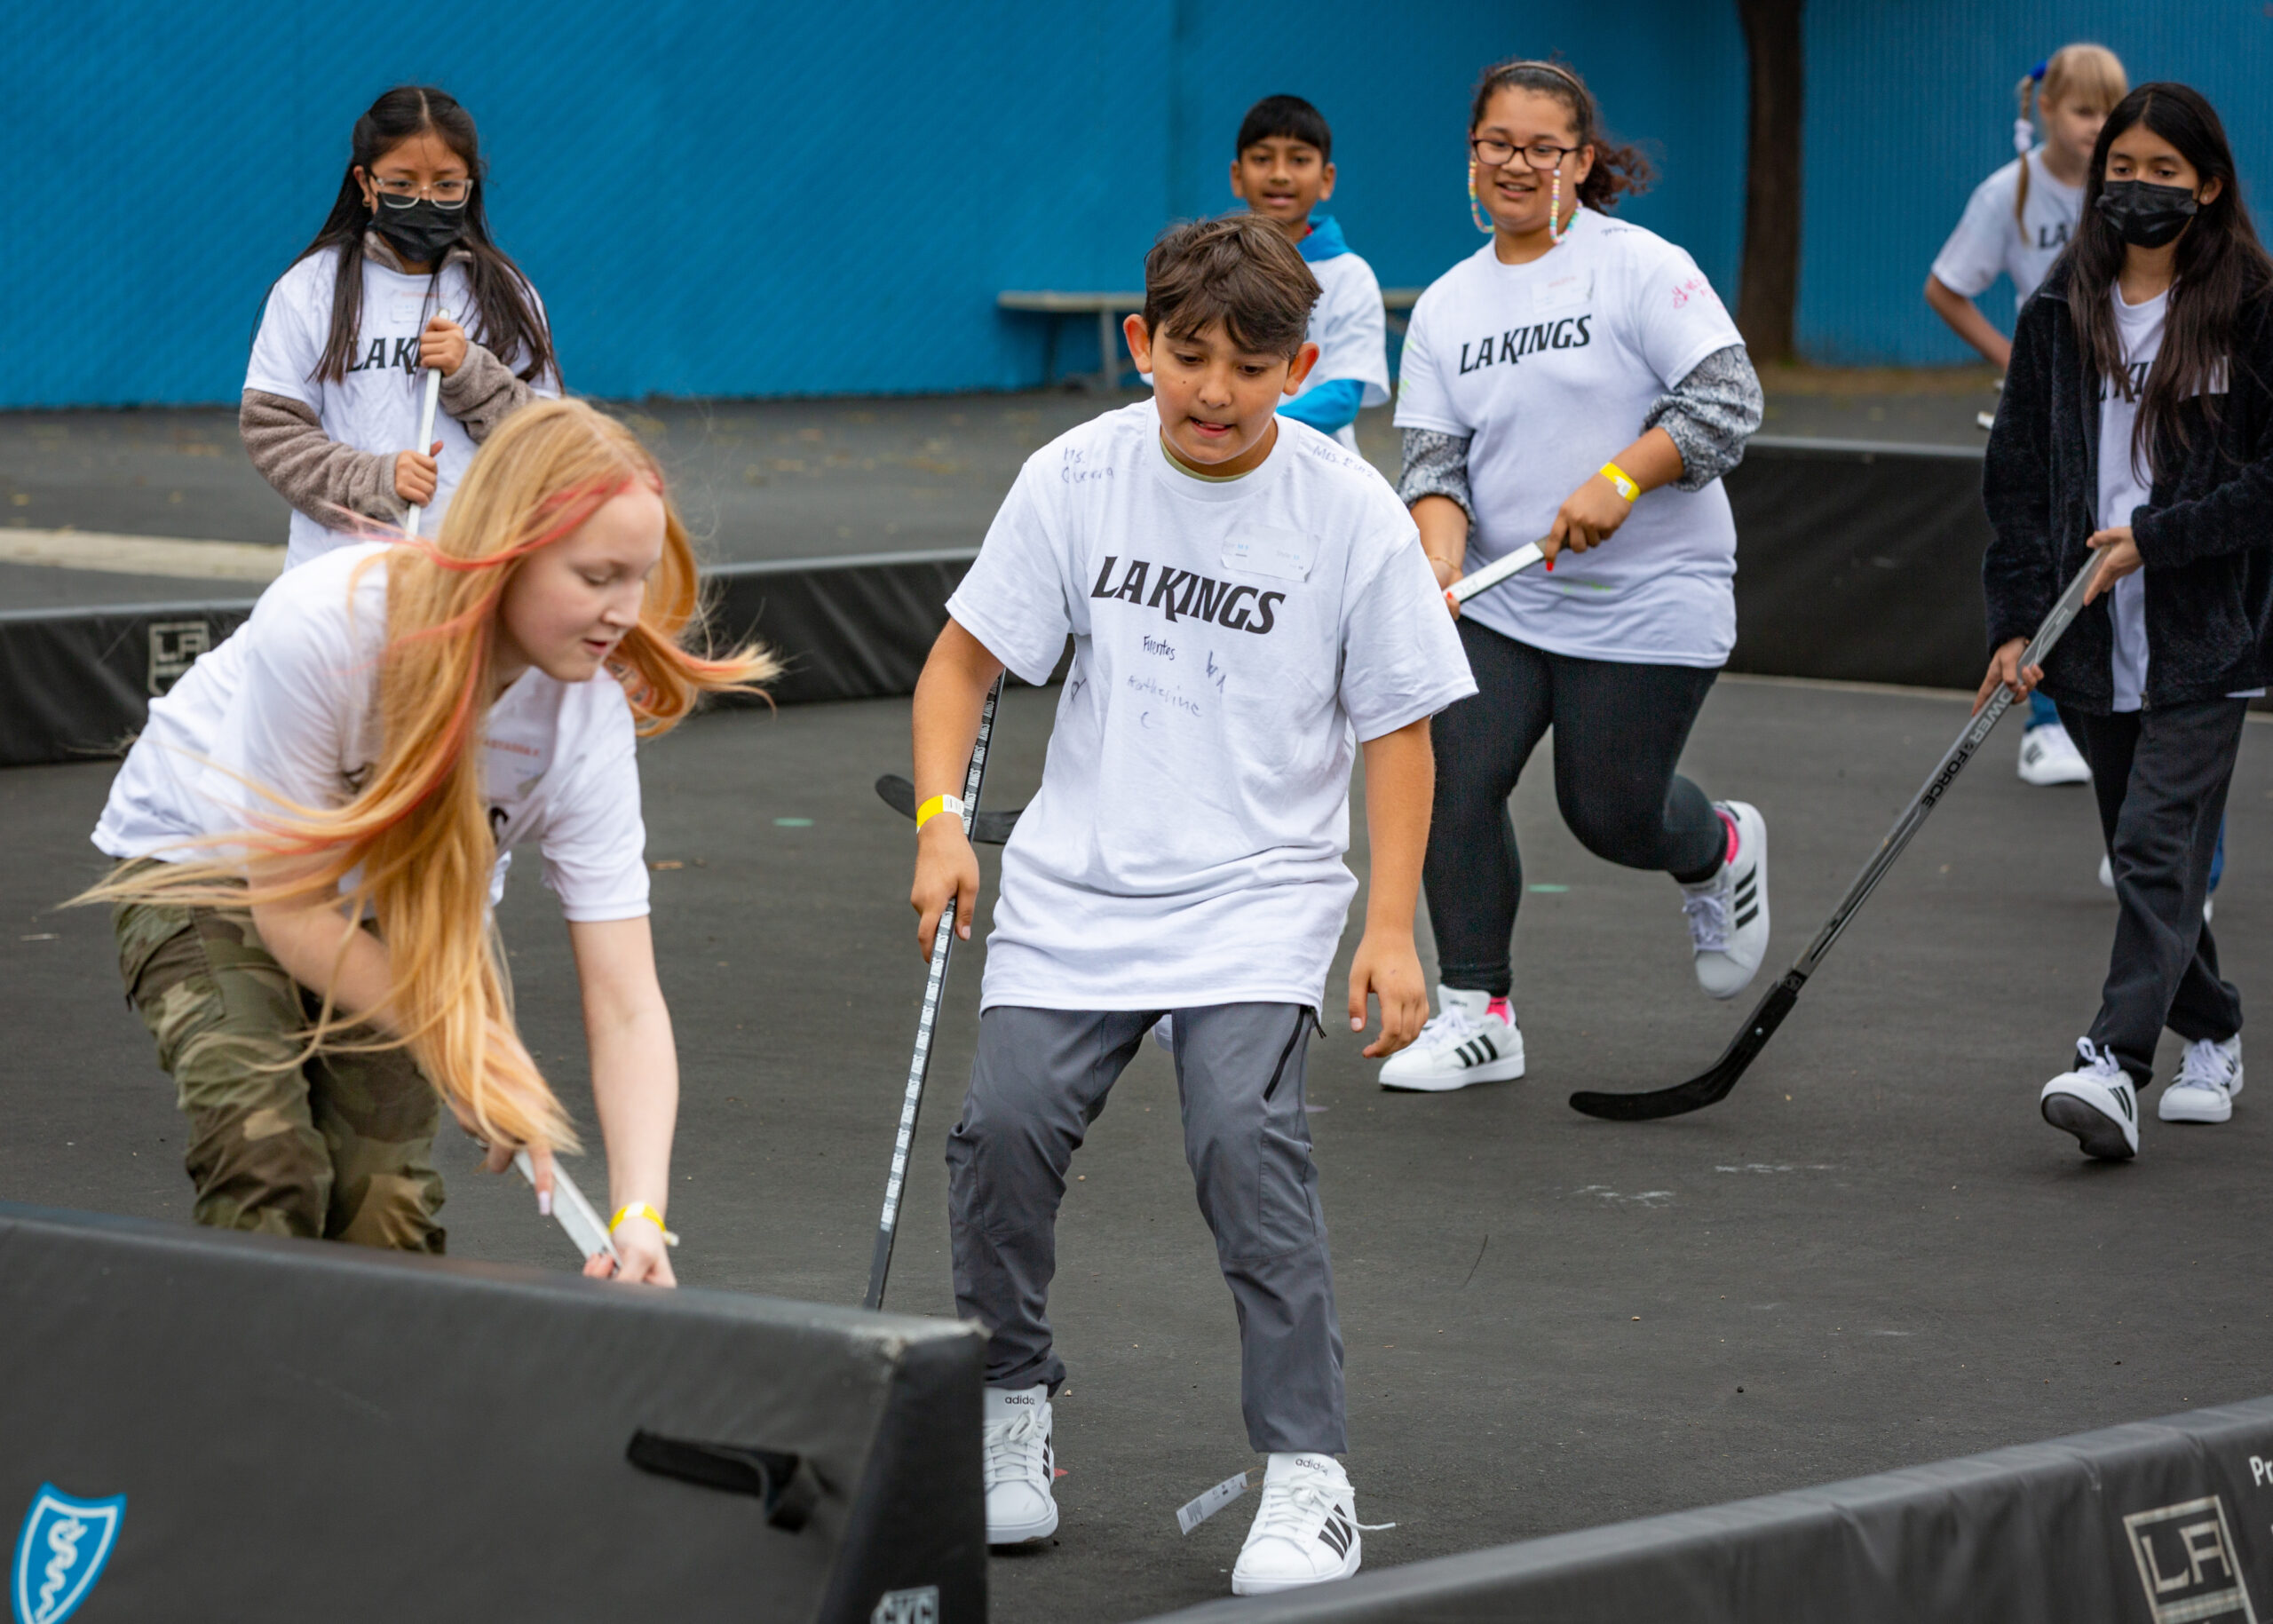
(339,1147)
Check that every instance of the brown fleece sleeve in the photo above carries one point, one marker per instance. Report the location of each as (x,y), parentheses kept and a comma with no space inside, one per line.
(483,392)
(316,474)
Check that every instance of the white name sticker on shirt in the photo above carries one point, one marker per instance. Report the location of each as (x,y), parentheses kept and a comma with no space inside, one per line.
(1286,554)
(1563,292)
(407,307)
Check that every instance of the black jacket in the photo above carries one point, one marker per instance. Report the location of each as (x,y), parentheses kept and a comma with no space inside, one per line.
(2204,535)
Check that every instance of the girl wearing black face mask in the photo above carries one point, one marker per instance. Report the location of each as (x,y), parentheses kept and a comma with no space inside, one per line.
(2137,424)
(402,278)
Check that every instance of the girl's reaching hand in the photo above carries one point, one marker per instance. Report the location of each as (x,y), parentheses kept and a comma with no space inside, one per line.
(441,345)
(2118,556)
(645,1258)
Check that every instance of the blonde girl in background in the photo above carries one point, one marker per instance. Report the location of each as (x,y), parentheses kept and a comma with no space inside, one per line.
(312,831)
(402,278)
(2015,225)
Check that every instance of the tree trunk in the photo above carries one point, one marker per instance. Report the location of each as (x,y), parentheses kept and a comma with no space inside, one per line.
(1768,288)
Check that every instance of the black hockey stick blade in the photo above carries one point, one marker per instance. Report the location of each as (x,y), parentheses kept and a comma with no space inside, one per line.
(1709,1086)
(989,828)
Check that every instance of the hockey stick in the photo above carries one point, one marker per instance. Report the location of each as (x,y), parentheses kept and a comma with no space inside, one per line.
(919,1065)
(987,829)
(1714,1082)
(571,1209)
(1493,574)
(425,434)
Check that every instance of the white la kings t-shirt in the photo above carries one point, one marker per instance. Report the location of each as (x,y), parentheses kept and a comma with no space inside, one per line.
(1233,644)
(1989,241)
(290,701)
(1548,367)
(376,407)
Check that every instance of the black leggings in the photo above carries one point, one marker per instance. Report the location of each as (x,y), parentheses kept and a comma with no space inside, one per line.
(1619,730)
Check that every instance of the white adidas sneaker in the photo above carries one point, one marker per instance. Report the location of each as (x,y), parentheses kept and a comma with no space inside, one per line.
(1727,914)
(2097,1103)
(1021,1467)
(1306,1531)
(2209,1076)
(1472,1037)
(2050,756)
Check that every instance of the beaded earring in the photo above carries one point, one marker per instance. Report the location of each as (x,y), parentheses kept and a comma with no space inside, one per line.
(1475,206)
(1555,228)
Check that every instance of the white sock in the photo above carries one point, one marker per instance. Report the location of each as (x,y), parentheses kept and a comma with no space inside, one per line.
(1007,1403)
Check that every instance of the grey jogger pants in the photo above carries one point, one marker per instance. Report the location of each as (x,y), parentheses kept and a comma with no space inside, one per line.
(2160,778)
(1041,1079)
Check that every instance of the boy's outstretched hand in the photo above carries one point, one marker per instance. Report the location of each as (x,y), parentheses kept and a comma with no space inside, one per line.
(1391,971)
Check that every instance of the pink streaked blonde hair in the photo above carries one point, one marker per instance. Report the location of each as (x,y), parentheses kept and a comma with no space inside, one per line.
(415,839)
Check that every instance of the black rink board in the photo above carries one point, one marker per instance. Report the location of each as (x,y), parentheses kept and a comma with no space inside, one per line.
(2161,1522)
(305,1431)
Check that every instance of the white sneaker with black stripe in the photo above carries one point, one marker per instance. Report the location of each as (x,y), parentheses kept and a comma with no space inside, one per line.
(1306,1531)
(1021,1467)
(2097,1103)
(1472,1037)
(1727,914)
(2209,1076)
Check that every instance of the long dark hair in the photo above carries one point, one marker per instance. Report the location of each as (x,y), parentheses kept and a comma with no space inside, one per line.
(1616,169)
(2220,267)
(509,325)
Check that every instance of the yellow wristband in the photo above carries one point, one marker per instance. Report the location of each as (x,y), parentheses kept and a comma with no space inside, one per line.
(1618,477)
(937,805)
(640,1210)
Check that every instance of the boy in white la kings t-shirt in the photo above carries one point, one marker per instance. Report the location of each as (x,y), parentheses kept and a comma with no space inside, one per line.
(1282,169)
(1249,606)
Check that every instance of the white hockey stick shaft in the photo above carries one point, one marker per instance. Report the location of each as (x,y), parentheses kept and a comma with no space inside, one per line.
(431,399)
(570,1209)
(1493,574)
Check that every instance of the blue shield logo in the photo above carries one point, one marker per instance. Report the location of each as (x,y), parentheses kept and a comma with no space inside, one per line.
(60,1553)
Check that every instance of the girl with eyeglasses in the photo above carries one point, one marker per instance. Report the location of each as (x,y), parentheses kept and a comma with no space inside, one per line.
(402,277)
(2137,424)
(1576,380)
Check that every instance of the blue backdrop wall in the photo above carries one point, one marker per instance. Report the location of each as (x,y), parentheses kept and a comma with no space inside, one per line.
(761,200)
(775,200)
(1910,104)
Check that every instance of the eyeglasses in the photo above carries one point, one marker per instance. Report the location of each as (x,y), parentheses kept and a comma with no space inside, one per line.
(441,194)
(1541,155)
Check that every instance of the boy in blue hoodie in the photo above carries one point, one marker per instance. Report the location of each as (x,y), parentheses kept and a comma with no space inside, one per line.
(1282,171)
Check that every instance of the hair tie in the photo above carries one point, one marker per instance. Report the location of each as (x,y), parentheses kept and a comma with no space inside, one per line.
(2024,136)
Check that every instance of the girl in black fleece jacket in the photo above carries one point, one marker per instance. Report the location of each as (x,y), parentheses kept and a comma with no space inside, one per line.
(2137,422)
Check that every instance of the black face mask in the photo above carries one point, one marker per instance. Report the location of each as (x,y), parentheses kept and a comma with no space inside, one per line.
(422,232)
(2145,214)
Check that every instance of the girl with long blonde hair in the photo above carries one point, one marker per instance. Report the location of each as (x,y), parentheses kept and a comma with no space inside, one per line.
(312,831)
